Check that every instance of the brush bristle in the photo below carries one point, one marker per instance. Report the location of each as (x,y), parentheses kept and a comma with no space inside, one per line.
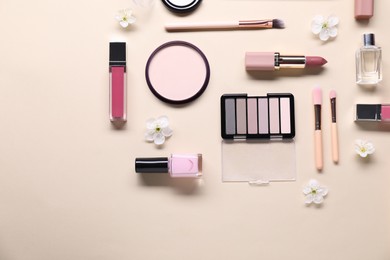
(317,96)
(277,23)
(332,94)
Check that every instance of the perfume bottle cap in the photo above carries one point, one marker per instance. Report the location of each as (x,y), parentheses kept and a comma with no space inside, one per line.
(369,39)
(151,165)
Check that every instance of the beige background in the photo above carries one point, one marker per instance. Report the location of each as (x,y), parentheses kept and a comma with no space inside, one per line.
(68,189)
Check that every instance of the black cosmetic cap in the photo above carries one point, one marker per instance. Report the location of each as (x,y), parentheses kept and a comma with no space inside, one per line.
(117,53)
(176,6)
(366,112)
(369,39)
(151,165)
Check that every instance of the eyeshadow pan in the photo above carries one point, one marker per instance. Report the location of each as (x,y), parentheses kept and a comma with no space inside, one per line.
(285,119)
(230,116)
(241,115)
(252,116)
(274,115)
(263,115)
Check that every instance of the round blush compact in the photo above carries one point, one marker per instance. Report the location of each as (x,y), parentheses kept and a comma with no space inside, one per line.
(177,72)
(181,6)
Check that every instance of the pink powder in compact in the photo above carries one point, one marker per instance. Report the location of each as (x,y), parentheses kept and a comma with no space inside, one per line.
(117,91)
(252,116)
(263,115)
(274,115)
(178,72)
(385,113)
(285,121)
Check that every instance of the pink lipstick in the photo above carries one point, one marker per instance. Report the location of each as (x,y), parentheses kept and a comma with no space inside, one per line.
(269,61)
(117,81)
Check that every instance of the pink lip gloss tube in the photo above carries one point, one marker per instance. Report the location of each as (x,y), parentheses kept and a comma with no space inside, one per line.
(117,81)
(178,165)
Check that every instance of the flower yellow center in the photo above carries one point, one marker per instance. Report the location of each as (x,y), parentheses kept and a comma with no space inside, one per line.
(363,149)
(158,129)
(325,25)
(313,191)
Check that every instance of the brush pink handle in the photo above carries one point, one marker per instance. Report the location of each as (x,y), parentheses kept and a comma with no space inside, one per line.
(201,26)
(318,149)
(335,143)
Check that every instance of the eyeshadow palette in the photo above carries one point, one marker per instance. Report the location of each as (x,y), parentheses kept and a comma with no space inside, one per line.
(257,117)
(258,138)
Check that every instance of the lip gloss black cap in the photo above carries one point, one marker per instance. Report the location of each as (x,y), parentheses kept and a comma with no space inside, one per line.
(367,112)
(118,53)
(151,165)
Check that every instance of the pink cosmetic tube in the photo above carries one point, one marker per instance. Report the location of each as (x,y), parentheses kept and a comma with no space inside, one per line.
(270,61)
(373,113)
(178,165)
(117,81)
(364,9)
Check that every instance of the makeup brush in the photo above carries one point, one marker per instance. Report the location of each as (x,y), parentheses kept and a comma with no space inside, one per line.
(229,25)
(317,100)
(334,135)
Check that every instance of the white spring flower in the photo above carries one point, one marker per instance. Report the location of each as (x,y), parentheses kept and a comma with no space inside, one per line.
(364,148)
(325,28)
(157,130)
(314,192)
(125,17)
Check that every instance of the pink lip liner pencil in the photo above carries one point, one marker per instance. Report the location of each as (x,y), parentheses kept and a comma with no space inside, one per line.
(317,100)
(334,135)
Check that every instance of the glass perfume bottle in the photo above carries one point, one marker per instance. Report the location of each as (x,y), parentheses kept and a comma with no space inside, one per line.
(187,165)
(369,62)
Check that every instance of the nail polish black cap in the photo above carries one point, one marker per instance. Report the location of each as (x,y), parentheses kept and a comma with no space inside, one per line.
(369,39)
(151,165)
(118,53)
(367,112)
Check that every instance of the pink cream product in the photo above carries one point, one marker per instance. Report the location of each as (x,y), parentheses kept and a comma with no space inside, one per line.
(177,165)
(177,72)
(364,9)
(269,61)
(117,70)
(372,113)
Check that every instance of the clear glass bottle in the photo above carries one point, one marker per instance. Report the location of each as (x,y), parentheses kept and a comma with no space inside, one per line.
(178,165)
(369,62)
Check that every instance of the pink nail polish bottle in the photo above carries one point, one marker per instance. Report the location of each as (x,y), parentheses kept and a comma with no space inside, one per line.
(187,165)
(364,9)
(117,81)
